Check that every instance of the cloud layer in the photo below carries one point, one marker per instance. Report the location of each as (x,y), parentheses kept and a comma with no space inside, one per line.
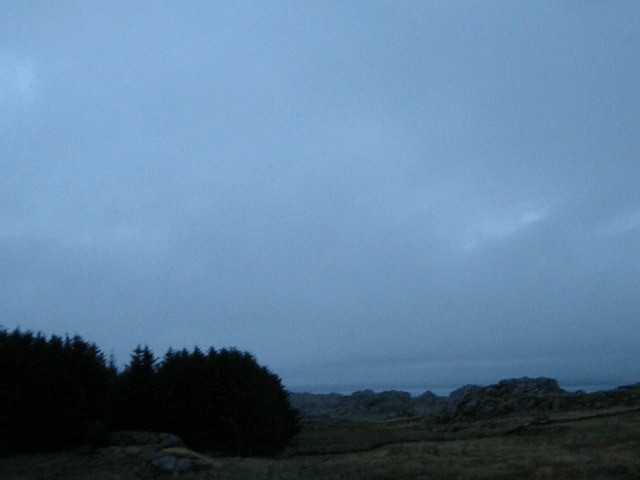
(368,193)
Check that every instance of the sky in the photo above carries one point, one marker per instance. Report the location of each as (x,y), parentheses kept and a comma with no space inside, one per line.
(364,193)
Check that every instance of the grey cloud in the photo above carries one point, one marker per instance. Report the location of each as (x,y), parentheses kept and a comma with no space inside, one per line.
(361,192)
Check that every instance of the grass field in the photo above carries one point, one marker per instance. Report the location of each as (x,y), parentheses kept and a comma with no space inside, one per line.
(603,444)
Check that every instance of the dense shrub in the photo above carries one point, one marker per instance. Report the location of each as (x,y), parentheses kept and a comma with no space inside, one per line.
(56,393)
(224,400)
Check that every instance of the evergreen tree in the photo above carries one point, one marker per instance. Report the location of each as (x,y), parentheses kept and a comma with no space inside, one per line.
(56,393)
(136,392)
(225,401)
(51,391)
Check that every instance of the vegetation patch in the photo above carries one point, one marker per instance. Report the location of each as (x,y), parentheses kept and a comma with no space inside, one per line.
(58,393)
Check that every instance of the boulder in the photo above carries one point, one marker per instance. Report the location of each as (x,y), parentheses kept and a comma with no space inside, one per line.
(177,460)
(171,441)
(165,463)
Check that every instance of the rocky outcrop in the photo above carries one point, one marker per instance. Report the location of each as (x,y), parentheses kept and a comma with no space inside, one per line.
(179,460)
(507,396)
(365,405)
(537,395)
(170,463)
(626,395)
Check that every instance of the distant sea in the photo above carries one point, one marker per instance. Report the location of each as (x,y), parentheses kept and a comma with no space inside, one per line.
(416,390)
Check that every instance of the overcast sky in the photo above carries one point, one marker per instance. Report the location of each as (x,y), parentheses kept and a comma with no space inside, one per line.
(377,193)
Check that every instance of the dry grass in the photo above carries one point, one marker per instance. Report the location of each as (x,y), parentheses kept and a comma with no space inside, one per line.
(604,447)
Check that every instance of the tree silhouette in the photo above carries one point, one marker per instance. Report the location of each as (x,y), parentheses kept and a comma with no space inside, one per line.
(225,401)
(51,391)
(59,392)
(136,392)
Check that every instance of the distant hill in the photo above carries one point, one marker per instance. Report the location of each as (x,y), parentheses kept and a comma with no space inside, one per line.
(468,402)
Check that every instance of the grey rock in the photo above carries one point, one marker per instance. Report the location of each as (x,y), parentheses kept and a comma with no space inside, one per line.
(471,406)
(365,404)
(170,463)
(427,396)
(166,463)
(171,441)
(531,386)
(488,410)
(459,394)
(504,397)
(535,395)
(183,464)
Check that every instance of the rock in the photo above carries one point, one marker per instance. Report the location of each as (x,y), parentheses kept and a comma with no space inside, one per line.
(488,410)
(471,406)
(507,396)
(169,464)
(197,460)
(172,441)
(183,464)
(530,386)
(365,404)
(178,460)
(427,404)
(460,393)
(468,402)
(427,396)
(166,463)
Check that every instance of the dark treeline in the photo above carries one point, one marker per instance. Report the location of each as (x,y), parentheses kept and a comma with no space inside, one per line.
(57,393)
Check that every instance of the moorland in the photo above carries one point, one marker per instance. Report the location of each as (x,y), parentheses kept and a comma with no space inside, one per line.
(488,433)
